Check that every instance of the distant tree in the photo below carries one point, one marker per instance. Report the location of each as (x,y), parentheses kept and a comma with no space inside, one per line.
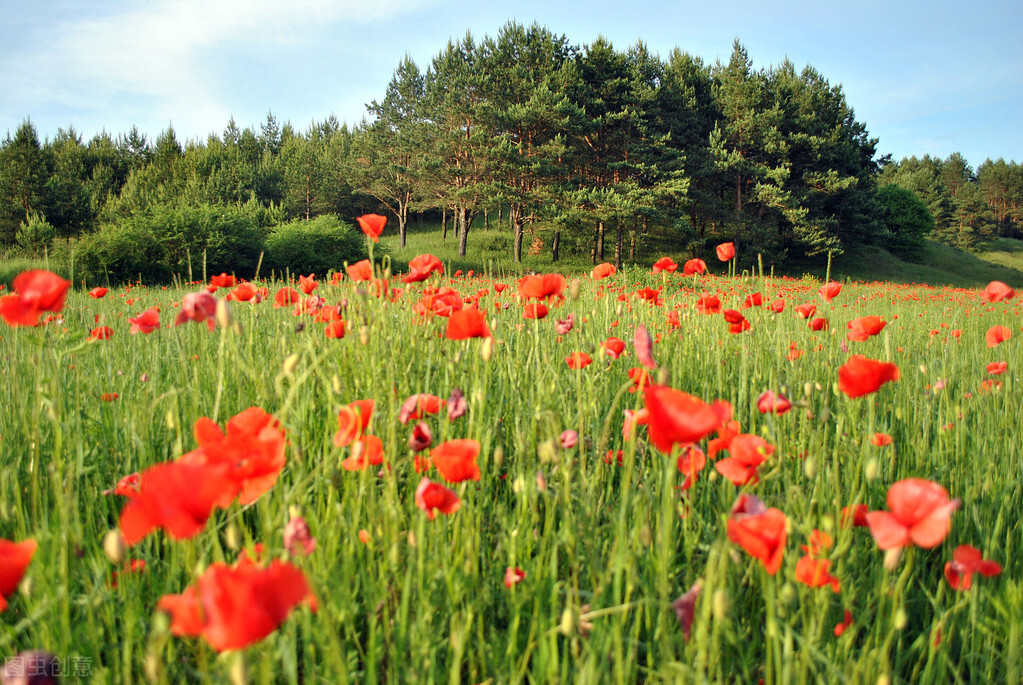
(905,221)
(24,170)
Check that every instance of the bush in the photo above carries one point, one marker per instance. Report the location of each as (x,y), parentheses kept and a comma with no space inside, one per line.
(35,235)
(120,253)
(165,240)
(314,246)
(906,221)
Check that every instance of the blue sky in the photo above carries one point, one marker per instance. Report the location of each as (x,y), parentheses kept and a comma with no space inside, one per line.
(925,77)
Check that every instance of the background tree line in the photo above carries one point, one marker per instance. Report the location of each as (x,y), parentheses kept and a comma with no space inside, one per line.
(585,149)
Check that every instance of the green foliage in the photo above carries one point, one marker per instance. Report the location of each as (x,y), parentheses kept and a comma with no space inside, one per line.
(905,219)
(35,235)
(122,252)
(315,246)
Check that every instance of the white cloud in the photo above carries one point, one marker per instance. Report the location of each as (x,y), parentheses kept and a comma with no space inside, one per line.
(162,56)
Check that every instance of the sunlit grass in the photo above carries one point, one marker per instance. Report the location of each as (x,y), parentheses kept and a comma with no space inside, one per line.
(605,548)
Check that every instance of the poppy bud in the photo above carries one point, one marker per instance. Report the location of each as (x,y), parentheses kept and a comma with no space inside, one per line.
(411,539)
(573,289)
(239,674)
(807,388)
(113,546)
(290,362)
(644,535)
(900,620)
(891,558)
(567,624)
(498,455)
(487,349)
(152,666)
(364,335)
(335,382)
(171,419)
(719,604)
(663,376)
(234,537)
(810,468)
(870,469)
(223,315)
(547,451)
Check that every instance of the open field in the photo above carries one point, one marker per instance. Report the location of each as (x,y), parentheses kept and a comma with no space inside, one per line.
(563,560)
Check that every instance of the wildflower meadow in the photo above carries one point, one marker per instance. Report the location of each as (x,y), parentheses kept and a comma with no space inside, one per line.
(678,473)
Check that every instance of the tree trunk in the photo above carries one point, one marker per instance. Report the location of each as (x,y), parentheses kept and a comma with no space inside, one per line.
(600,241)
(619,239)
(556,245)
(402,229)
(500,213)
(632,242)
(593,248)
(444,224)
(517,234)
(462,226)
(486,219)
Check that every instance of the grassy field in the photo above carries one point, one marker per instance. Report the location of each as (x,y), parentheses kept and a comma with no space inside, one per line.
(602,535)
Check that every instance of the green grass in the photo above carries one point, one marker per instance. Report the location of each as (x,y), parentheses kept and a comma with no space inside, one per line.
(605,548)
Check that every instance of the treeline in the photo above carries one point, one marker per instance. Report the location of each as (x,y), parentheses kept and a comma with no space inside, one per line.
(967,206)
(576,148)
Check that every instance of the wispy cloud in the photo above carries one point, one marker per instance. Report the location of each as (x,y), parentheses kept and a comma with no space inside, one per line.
(167,56)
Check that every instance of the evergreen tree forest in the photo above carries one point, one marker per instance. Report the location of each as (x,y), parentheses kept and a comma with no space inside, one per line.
(583,149)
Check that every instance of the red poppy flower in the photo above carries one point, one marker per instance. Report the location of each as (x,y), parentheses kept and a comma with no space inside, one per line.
(252,450)
(861,376)
(678,418)
(601,271)
(769,402)
(369,449)
(737,323)
(534,310)
(748,452)
(439,302)
(814,573)
(818,324)
(513,576)
(846,622)
(372,225)
(98,292)
(650,295)
(35,291)
(335,330)
(996,335)
(14,560)
(101,333)
(725,251)
(967,560)
(467,323)
(564,326)
(643,347)
(578,360)
(286,297)
(360,271)
(418,406)
(829,291)
(996,291)
(243,292)
(232,607)
(864,327)
(919,513)
(543,287)
(665,264)
(778,306)
(352,421)
(640,417)
(761,532)
(421,437)
(753,300)
(708,303)
(198,307)
(456,460)
(806,310)
(176,496)
(694,266)
(690,462)
(223,281)
(109,396)
(146,322)
(855,515)
(308,284)
(997,368)
(640,378)
(432,497)
(880,439)
(613,347)
(421,267)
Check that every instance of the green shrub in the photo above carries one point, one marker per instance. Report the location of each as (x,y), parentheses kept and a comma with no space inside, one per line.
(120,253)
(314,246)
(35,235)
